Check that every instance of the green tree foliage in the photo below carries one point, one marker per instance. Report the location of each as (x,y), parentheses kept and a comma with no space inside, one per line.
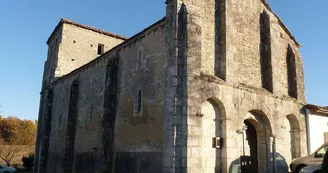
(15,135)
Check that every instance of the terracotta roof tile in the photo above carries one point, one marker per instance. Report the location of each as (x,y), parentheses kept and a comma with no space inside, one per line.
(315,107)
(317,110)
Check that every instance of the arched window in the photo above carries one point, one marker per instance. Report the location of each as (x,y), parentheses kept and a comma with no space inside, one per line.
(47,131)
(71,127)
(291,73)
(265,52)
(220,66)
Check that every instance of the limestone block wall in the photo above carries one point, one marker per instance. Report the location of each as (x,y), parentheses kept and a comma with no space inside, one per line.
(52,58)
(275,117)
(58,126)
(138,138)
(79,46)
(193,90)
(243,50)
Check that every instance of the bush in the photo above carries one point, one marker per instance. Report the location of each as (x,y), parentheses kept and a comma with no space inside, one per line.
(16,166)
(28,161)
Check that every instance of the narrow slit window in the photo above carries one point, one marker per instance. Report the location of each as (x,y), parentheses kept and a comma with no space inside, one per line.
(138,103)
(265,52)
(100,49)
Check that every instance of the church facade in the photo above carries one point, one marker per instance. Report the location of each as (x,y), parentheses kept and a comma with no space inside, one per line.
(215,86)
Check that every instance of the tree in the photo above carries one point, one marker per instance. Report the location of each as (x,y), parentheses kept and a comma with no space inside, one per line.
(15,135)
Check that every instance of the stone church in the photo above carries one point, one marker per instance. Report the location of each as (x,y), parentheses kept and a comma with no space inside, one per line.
(216,86)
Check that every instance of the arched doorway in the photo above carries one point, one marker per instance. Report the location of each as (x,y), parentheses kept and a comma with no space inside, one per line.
(212,124)
(256,131)
(249,161)
(294,133)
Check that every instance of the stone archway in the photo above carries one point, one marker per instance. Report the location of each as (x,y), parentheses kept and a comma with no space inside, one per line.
(250,161)
(258,152)
(294,131)
(213,125)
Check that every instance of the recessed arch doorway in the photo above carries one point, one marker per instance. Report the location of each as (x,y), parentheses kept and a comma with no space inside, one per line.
(256,143)
(213,125)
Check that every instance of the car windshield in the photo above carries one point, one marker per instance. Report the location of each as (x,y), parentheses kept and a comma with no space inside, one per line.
(323,150)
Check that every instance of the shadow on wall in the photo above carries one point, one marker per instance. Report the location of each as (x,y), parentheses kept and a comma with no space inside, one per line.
(243,164)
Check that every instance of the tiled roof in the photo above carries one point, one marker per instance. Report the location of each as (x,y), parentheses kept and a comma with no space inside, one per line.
(85,27)
(317,109)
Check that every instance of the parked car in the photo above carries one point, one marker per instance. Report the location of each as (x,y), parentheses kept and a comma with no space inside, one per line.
(312,169)
(312,160)
(5,169)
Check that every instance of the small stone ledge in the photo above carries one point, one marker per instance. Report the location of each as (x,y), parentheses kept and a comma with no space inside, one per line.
(210,78)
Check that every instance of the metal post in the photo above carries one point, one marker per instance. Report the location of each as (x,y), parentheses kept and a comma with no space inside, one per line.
(243,143)
(273,154)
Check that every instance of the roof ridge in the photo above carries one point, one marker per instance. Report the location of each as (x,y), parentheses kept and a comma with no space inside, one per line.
(109,51)
(284,27)
(91,28)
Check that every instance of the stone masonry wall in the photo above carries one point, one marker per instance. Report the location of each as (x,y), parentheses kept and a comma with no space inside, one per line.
(234,105)
(52,58)
(243,40)
(79,46)
(239,98)
(138,139)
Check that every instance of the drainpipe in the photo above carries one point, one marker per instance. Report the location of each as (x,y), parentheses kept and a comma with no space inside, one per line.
(308,134)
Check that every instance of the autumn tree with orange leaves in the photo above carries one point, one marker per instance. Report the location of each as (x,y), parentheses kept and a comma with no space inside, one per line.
(15,135)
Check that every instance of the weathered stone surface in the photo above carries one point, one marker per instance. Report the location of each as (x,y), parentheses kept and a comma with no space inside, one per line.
(194,76)
(141,62)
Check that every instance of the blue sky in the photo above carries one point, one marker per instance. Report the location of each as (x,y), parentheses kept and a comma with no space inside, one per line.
(26,25)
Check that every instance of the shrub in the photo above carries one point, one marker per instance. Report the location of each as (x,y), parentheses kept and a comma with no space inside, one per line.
(28,161)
